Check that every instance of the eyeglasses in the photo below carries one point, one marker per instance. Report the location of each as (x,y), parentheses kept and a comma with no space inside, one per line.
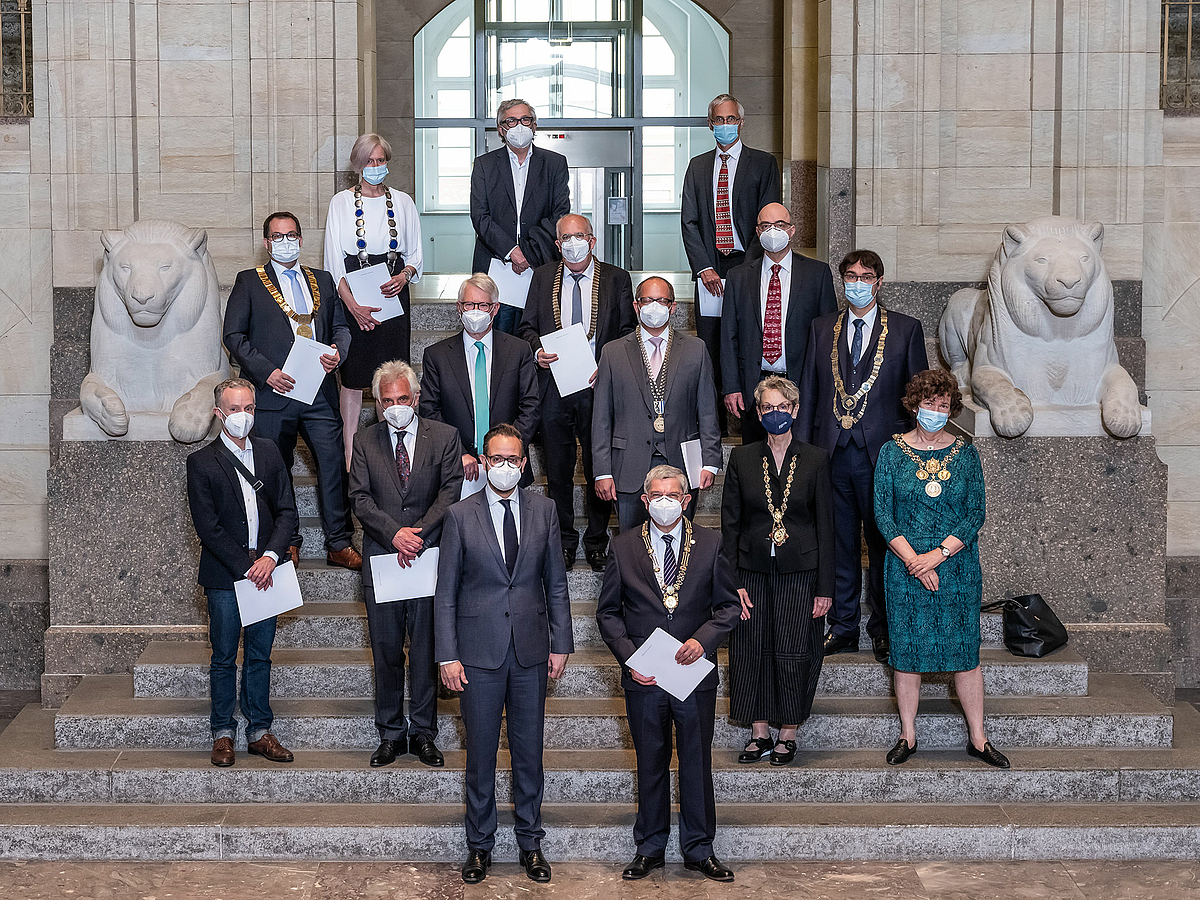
(726,120)
(665,301)
(577,235)
(512,122)
(468,305)
(850,278)
(501,460)
(778,407)
(276,237)
(763,226)
(678,495)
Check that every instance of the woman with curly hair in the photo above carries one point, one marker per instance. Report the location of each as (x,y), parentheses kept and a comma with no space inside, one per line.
(929,506)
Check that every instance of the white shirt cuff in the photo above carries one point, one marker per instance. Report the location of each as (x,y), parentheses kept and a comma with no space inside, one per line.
(272,554)
(447,662)
(711,469)
(600,478)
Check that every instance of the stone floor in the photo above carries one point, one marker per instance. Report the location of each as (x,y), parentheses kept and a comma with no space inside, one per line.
(796,881)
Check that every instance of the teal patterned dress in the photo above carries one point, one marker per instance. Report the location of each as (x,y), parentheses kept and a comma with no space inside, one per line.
(928,631)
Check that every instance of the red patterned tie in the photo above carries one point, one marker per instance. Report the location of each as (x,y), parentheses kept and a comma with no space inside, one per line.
(402,464)
(773,324)
(724,222)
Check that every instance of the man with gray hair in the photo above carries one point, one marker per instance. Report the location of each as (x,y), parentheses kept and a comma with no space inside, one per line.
(670,574)
(405,472)
(518,193)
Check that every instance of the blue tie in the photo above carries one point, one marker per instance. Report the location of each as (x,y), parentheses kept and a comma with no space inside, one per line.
(482,414)
(856,347)
(298,299)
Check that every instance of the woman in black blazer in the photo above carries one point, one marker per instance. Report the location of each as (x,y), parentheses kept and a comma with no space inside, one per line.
(777,523)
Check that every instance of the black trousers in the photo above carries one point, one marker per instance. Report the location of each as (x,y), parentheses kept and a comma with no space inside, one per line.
(564,420)
(321,427)
(708,329)
(652,714)
(854,514)
(389,623)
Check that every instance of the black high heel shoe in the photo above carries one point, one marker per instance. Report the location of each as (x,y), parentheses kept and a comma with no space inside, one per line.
(782,759)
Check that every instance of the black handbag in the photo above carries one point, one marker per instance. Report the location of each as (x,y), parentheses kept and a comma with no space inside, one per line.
(1030,626)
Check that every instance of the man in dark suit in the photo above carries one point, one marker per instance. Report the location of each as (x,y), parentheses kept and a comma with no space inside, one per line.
(244,526)
(579,289)
(851,411)
(267,308)
(723,190)
(480,377)
(503,623)
(405,473)
(769,306)
(669,371)
(518,193)
(669,561)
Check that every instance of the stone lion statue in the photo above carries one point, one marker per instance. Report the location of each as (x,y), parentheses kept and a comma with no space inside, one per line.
(1041,333)
(156,330)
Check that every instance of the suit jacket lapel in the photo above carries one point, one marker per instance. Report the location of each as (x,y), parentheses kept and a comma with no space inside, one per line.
(458,366)
(227,465)
(485,522)
(523,538)
(873,339)
(633,350)
(506,177)
(533,178)
(497,373)
(420,452)
(710,204)
(795,292)
(647,565)
(844,362)
(384,443)
(672,362)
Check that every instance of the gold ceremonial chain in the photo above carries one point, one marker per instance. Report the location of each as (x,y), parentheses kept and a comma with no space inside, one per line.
(658,387)
(305,327)
(846,418)
(671,591)
(932,471)
(778,533)
(557,302)
(360,231)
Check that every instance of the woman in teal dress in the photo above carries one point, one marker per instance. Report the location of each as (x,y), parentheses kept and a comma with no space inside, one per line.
(929,506)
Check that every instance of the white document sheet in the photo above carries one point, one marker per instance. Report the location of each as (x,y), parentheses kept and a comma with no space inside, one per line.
(576,364)
(693,462)
(473,487)
(365,285)
(710,304)
(656,659)
(283,594)
(304,365)
(394,582)
(514,288)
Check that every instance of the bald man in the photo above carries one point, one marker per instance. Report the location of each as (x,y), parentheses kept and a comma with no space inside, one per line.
(600,296)
(769,305)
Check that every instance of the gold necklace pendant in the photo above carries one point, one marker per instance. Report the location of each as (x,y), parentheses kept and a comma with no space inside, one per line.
(931,471)
(660,425)
(779,535)
(304,331)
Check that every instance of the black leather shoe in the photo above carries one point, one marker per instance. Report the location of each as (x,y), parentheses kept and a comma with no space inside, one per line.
(597,559)
(883,649)
(711,868)
(756,749)
(535,865)
(900,753)
(385,754)
(989,755)
(642,866)
(423,748)
(841,643)
(789,753)
(475,869)
(568,559)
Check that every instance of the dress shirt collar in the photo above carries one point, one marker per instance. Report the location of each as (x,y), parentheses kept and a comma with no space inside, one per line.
(588,274)
(869,319)
(676,534)
(494,499)
(646,336)
(469,342)
(785,264)
(410,428)
(734,152)
(512,157)
(280,268)
(237,451)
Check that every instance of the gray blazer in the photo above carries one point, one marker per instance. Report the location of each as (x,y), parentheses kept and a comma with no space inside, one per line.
(434,483)
(623,435)
(479,607)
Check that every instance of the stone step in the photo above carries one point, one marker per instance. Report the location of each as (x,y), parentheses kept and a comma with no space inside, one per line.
(1118,712)
(167,669)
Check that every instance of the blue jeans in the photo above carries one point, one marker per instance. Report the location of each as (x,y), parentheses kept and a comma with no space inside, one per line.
(224,630)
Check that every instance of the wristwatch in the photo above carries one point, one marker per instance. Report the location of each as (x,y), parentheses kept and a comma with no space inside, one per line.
(945,550)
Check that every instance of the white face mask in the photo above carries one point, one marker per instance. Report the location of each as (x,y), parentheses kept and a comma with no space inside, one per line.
(774,239)
(654,315)
(285,251)
(476,321)
(238,424)
(519,137)
(665,511)
(575,250)
(504,477)
(398,416)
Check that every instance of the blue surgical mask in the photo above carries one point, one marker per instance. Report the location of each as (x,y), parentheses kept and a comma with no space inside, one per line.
(932,421)
(726,134)
(375,174)
(777,421)
(285,251)
(859,295)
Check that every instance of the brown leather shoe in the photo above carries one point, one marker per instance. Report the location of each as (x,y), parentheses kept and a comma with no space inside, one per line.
(293,553)
(347,558)
(268,747)
(222,752)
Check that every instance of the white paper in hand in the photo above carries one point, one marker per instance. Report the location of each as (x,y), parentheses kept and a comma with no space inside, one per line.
(473,487)
(304,367)
(367,287)
(283,594)
(394,582)
(710,304)
(656,659)
(514,288)
(693,461)
(576,363)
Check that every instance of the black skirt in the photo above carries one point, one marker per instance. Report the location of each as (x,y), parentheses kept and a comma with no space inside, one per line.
(386,341)
(775,656)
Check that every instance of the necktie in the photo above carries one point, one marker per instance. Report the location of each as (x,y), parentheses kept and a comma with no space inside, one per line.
(576,301)
(856,347)
(510,536)
(299,303)
(773,321)
(482,414)
(656,358)
(724,222)
(670,564)
(402,463)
